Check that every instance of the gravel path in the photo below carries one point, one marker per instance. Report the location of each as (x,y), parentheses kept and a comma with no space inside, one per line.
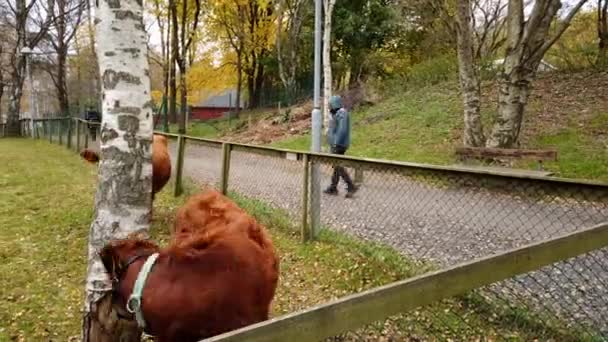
(445,225)
(437,223)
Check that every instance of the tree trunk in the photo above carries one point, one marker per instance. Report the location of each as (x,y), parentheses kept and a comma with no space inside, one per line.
(259,83)
(123,200)
(528,39)
(250,87)
(62,86)
(602,33)
(327,77)
(172,61)
(15,94)
(1,95)
(97,77)
(512,99)
(78,89)
(183,109)
(469,79)
(239,81)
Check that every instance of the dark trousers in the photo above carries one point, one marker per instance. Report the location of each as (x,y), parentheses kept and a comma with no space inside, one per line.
(340,171)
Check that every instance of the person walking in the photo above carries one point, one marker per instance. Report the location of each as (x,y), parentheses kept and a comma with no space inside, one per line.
(338,138)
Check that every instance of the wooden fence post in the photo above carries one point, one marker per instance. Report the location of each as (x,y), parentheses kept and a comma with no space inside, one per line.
(77,135)
(86,134)
(226,149)
(306,235)
(51,131)
(69,142)
(181,144)
(60,131)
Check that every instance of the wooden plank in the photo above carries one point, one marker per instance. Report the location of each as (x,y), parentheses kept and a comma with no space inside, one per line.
(483,152)
(355,311)
(507,170)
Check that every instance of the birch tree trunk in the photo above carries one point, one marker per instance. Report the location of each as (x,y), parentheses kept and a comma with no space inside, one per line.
(528,39)
(469,78)
(328,6)
(123,201)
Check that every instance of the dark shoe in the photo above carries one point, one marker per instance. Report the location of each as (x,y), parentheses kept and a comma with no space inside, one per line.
(330,191)
(351,192)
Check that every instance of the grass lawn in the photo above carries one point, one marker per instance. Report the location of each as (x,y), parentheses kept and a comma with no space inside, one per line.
(46,205)
(424,125)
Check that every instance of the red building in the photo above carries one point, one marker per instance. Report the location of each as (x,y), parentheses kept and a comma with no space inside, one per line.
(216,106)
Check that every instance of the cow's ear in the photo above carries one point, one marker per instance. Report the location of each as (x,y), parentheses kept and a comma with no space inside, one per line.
(110,259)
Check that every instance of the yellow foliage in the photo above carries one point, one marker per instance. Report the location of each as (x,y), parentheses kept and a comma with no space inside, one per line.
(157,97)
(205,79)
(577,47)
(229,23)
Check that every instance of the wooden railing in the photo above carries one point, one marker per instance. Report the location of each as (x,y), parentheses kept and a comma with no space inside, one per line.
(355,311)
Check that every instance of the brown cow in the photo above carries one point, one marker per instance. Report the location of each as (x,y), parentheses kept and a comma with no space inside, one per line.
(161,162)
(211,213)
(206,285)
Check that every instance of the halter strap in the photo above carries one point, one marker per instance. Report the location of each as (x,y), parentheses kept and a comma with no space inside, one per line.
(134,302)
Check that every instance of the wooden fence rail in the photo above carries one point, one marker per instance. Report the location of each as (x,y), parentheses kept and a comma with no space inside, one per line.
(357,310)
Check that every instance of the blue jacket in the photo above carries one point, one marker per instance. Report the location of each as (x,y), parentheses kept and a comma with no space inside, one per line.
(338,133)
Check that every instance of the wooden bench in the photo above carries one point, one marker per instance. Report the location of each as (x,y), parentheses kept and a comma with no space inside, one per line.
(492,154)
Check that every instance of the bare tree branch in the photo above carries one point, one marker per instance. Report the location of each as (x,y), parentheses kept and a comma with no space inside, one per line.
(563,26)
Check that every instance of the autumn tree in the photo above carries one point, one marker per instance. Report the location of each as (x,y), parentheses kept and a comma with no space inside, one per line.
(260,16)
(29,22)
(159,9)
(123,201)
(83,72)
(290,19)
(188,25)
(66,18)
(227,24)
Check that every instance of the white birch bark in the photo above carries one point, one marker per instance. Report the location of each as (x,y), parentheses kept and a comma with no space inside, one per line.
(469,77)
(528,39)
(123,200)
(328,6)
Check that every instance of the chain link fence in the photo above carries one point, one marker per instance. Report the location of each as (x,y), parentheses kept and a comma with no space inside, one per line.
(445,216)
(437,216)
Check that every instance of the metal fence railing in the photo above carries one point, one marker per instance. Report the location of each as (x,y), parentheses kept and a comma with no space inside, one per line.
(73,132)
(444,216)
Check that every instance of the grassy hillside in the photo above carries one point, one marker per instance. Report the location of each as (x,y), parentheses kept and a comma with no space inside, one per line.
(424,124)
